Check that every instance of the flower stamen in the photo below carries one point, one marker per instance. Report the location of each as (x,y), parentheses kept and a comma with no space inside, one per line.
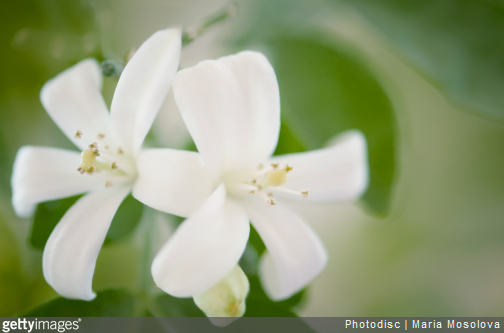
(107,165)
(276,177)
(88,159)
(272,178)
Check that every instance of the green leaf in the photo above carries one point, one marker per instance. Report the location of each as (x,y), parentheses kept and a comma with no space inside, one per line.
(257,295)
(47,215)
(108,303)
(168,306)
(264,308)
(325,91)
(457,44)
(288,142)
(125,219)
(249,261)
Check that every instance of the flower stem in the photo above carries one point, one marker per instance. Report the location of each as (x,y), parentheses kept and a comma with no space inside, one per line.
(191,34)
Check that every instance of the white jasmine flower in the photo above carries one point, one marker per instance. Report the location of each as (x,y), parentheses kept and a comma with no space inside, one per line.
(231,107)
(105,168)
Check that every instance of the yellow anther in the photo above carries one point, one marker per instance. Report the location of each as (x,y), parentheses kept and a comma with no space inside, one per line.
(276,177)
(101,136)
(304,194)
(274,165)
(288,168)
(88,160)
(78,134)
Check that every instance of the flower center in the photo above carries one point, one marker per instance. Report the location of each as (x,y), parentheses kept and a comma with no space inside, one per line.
(102,160)
(276,177)
(264,181)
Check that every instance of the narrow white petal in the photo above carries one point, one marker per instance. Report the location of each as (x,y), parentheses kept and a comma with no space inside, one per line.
(296,254)
(204,249)
(42,174)
(143,86)
(259,86)
(339,172)
(212,106)
(70,253)
(172,181)
(73,100)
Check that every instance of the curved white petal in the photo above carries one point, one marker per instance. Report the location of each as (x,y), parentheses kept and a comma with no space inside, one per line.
(296,254)
(339,172)
(172,181)
(143,86)
(259,86)
(42,174)
(204,249)
(70,253)
(212,107)
(73,100)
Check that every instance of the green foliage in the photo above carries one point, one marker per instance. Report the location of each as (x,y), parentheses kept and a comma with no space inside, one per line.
(125,220)
(259,304)
(324,92)
(167,306)
(49,213)
(456,43)
(264,308)
(108,303)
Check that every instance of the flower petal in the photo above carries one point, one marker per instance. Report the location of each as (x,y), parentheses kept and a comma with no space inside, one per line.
(296,254)
(172,181)
(73,100)
(204,249)
(259,86)
(42,174)
(70,253)
(339,172)
(143,86)
(212,107)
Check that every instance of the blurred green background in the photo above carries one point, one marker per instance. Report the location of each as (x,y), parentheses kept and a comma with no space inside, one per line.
(424,81)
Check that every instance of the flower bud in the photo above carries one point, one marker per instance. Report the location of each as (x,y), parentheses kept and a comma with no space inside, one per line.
(226,298)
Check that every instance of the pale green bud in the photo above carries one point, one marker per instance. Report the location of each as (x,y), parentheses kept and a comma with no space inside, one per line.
(226,298)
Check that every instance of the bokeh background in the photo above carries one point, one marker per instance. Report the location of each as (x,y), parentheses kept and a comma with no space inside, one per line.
(424,81)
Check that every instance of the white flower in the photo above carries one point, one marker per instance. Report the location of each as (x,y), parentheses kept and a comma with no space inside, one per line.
(232,110)
(106,167)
